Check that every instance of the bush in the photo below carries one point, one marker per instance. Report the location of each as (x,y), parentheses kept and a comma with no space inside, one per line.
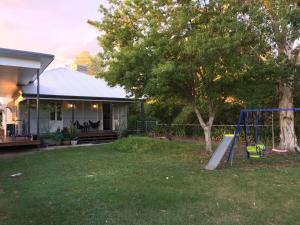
(134,144)
(54,138)
(178,130)
(73,133)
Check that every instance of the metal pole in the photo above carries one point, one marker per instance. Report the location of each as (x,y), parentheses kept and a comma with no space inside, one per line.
(73,106)
(256,126)
(234,138)
(111,114)
(265,131)
(273,136)
(246,127)
(28,117)
(143,116)
(97,112)
(38,105)
(146,126)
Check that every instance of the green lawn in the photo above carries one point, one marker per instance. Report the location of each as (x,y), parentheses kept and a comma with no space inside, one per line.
(139,181)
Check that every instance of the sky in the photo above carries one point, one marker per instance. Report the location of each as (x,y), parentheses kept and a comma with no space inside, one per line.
(57,27)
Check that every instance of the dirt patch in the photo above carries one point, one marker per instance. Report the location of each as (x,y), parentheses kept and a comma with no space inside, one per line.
(202,154)
(193,139)
(15,153)
(3,216)
(270,161)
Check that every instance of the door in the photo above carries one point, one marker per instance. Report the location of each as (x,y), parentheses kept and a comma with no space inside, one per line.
(106,116)
(119,117)
(1,119)
(115,118)
(56,119)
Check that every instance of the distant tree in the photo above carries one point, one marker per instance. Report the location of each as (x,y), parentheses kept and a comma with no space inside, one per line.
(188,50)
(86,59)
(163,111)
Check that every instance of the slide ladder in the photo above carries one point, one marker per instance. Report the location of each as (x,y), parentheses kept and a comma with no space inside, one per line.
(219,153)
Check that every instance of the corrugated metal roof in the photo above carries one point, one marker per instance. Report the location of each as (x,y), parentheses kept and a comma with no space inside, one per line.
(65,82)
(45,59)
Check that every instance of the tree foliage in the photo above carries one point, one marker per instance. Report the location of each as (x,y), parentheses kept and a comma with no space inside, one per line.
(199,52)
(278,25)
(86,59)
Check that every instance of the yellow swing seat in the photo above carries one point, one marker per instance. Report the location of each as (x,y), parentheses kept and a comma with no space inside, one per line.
(256,151)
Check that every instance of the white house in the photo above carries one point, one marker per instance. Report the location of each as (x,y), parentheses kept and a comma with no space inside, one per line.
(68,96)
(34,101)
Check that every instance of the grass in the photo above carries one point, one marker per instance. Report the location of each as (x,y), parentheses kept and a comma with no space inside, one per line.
(144,181)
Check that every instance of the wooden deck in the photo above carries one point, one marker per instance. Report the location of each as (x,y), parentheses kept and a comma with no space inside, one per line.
(17,142)
(83,137)
(96,136)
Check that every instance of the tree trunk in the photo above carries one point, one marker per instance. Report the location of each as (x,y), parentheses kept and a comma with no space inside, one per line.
(288,138)
(206,126)
(207,135)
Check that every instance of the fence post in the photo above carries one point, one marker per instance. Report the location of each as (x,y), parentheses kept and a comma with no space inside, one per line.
(142,116)
(146,126)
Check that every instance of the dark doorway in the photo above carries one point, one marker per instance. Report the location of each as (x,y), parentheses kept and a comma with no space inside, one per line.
(1,120)
(106,116)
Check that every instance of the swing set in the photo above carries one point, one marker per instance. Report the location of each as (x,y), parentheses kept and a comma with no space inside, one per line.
(256,118)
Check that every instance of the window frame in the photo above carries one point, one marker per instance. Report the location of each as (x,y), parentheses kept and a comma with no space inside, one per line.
(54,112)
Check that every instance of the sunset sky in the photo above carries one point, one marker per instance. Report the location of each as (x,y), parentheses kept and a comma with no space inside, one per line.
(57,27)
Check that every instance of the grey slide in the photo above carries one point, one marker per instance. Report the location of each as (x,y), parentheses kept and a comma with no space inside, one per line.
(219,153)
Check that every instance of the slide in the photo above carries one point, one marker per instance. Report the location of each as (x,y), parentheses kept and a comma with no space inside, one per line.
(219,153)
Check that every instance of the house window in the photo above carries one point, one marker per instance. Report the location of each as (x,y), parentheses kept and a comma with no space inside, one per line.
(58,112)
(52,112)
(55,112)
(116,112)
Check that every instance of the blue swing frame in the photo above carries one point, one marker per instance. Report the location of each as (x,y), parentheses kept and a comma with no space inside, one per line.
(244,118)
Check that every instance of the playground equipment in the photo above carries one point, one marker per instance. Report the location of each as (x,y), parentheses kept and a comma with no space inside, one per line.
(219,153)
(256,150)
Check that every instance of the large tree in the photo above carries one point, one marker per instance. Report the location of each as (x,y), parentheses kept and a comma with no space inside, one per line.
(278,24)
(188,50)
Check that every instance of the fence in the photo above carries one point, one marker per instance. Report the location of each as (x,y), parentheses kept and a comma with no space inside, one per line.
(196,131)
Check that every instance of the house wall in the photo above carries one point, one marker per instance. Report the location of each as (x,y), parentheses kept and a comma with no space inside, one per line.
(83,112)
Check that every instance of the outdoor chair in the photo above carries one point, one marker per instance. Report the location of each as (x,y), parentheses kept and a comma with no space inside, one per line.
(78,125)
(95,125)
(86,126)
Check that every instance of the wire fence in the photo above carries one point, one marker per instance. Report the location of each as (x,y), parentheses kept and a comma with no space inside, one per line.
(217,132)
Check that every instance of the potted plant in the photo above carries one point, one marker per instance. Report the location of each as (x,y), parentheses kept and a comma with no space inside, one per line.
(74,141)
(54,138)
(66,136)
(46,140)
(73,136)
(65,142)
